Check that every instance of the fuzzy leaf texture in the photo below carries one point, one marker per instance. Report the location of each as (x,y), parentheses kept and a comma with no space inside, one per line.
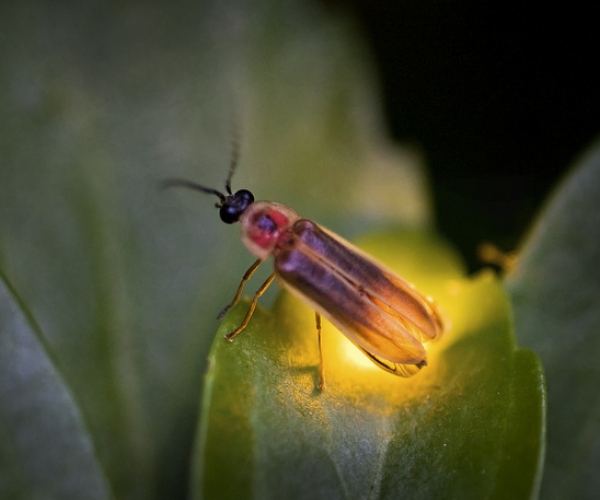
(469,425)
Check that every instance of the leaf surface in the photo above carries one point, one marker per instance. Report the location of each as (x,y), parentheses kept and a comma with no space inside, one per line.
(46,449)
(555,289)
(469,425)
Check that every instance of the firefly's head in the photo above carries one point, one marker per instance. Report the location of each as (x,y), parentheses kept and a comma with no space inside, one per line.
(231,206)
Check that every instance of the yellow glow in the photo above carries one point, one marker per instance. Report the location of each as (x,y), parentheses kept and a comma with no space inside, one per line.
(350,354)
(349,371)
(350,376)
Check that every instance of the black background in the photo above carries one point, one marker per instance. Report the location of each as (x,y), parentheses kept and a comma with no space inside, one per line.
(501,98)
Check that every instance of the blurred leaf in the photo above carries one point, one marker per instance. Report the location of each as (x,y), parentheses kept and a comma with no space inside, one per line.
(99,101)
(555,290)
(46,450)
(470,425)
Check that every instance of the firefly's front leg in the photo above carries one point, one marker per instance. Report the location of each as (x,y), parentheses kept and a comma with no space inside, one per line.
(247,275)
(250,312)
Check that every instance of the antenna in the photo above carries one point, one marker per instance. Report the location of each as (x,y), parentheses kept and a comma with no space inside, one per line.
(235,155)
(167,183)
(235,146)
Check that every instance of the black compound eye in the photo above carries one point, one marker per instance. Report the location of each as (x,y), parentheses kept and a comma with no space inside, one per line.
(235,206)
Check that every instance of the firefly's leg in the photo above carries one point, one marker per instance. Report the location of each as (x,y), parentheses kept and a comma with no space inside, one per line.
(247,275)
(320,335)
(250,312)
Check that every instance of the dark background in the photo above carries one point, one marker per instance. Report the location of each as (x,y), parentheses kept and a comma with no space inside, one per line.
(501,98)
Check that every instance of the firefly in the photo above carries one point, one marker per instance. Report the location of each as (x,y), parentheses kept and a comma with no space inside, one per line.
(385,317)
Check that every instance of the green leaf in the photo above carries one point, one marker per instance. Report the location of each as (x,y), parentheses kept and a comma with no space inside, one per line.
(99,103)
(555,290)
(469,425)
(46,449)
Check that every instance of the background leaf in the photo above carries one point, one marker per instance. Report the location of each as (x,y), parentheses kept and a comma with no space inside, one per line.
(555,289)
(98,103)
(46,449)
(470,425)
